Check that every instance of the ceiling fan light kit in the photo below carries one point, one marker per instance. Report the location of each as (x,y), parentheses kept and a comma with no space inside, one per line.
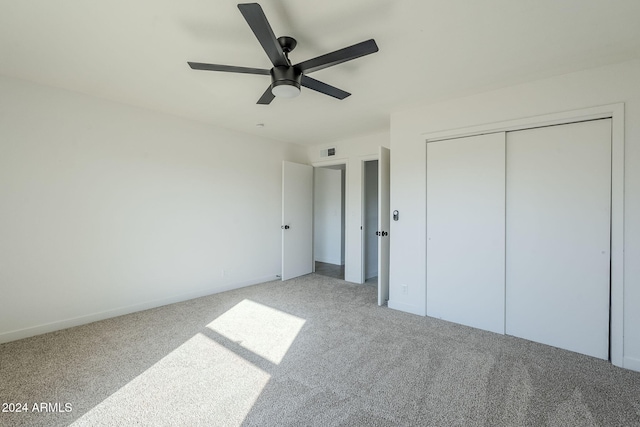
(287,79)
(285,82)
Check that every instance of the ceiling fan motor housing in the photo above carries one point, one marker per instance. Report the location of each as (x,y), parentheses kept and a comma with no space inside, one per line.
(285,75)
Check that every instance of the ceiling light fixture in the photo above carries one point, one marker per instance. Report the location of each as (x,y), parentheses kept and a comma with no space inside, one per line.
(285,89)
(285,82)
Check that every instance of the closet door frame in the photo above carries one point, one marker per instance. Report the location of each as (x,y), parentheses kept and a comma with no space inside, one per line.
(616,113)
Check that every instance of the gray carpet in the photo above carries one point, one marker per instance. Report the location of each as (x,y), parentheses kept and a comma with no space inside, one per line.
(309,351)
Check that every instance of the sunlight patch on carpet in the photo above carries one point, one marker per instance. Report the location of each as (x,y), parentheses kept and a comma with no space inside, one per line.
(200,381)
(263,330)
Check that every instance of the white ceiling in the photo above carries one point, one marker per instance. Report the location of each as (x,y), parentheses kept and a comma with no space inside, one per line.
(136,52)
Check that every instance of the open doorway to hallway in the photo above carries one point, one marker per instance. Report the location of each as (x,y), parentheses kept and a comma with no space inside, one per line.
(370,223)
(329,220)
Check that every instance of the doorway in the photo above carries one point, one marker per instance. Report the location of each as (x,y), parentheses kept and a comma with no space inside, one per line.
(352,255)
(329,221)
(370,223)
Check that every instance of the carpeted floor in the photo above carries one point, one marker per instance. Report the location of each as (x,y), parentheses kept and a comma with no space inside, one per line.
(310,351)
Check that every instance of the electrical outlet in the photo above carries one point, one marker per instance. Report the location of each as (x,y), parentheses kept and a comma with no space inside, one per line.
(405,289)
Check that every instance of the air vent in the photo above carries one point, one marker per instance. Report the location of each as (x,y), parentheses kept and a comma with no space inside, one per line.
(328,152)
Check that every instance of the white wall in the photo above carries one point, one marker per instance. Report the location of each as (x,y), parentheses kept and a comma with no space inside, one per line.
(327,216)
(107,209)
(370,219)
(605,85)
(352,152)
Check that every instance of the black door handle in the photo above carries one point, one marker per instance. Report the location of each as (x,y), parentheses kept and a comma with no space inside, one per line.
(285,227)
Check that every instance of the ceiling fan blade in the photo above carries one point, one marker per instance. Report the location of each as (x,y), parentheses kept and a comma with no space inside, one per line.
(266,97)
(338,56)
(256,19)
(318,86)
(227,68)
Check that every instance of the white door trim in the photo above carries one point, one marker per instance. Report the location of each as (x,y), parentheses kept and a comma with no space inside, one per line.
(616,113)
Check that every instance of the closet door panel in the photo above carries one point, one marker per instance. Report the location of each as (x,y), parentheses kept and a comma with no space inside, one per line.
(465,230)
(558,235)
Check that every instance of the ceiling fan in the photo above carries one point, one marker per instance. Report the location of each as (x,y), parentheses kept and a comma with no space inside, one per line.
(286,78)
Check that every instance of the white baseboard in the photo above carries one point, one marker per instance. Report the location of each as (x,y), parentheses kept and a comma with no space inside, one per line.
(632,364)
(371,274)
(94,317)
(407,308)
(335,261)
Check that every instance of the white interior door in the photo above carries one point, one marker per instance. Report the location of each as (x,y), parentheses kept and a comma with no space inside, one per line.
(384,188)
(465,230)
(558,238)
(297,220)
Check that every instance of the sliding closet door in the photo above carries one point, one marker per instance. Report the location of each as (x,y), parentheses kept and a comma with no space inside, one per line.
(558,240)
(465,230)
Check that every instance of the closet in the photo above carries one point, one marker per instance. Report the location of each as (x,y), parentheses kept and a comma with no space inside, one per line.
(518,233)
(465,230)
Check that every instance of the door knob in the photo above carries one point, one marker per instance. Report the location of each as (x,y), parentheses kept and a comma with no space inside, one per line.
(285,227)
